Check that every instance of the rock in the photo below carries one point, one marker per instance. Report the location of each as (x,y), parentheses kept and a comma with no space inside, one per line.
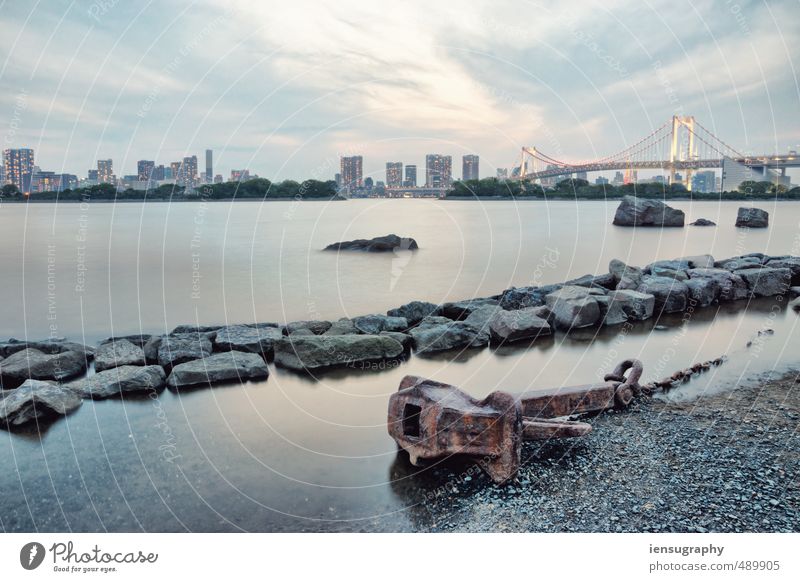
(243,338)
(433,321)
(119,352)
(703,222)
(374,324)
(636,306)
(462,309)
(625,277)
(150,349)
(670,294)
(177,349)
(119,380)
(196,329)
(344,326)
(794,291)
(379,244)
(231,366)
(667,265)
(573,307)
(36,400)
(732,286)
(766,281)
(634,211)
(404,339)
(791,263)
(314,326)
(703,291)
(752,218)
(481,317)
(605,282)
(415,311)
(48,346)
(522,324)
(698,262)
(611,312)
(302,331)
(312,353)
(670,273)
(136,339)
(737,263)
(35,365)
(455,335)
(522,297)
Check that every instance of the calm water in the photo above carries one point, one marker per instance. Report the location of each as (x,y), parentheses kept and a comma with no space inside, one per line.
(294,453)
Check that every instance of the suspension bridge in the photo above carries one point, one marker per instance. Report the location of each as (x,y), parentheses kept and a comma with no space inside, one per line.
(680,144)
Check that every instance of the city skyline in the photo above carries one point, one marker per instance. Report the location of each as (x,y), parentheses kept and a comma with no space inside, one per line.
(288,101)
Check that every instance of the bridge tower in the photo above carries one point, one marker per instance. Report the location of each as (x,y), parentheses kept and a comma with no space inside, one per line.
(682,147)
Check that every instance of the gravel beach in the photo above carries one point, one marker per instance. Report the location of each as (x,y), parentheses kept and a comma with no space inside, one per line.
(721,463)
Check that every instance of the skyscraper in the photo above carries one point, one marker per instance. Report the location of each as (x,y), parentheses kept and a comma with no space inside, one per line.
(411,176)
(105,171)
(189,171)
(394,174)
(438,171)
(144,170)
(469,167)
(209,166)
(351,170)
(17,163)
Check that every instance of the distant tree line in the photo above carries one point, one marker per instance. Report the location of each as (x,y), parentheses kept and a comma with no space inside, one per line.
(256,189)
(574,188)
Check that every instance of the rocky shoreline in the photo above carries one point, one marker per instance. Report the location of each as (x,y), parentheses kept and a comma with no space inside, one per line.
(42,379)
(722,463)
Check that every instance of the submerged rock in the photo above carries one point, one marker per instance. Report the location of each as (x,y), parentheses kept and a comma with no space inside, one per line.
(703,291)
(344,326)
(415,311)
(177,349)
(791,263)
(703,222)
(316,327)
(374,324)
(522,297)
(752,218)
(36,400)
(35,365)
(454,335)
(731,286)
(522,324)
(636,306)
(462,309)
(573,307)
(120,352)
(766,281)
(379,244)
(231,366)
(310,353)
(119,380)
(634,211)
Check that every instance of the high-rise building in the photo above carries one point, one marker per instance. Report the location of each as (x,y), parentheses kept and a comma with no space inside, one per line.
(145,170)
(705,181)
(189,169)
(338,179)
(394,174)
(105,171)
(240,175)
(175,171)
(17,163)
(438,171)
(218,179)
(582,176)
(502,173)
(159,173)
(411,176)
(351,170)
(209,166)
(469,167)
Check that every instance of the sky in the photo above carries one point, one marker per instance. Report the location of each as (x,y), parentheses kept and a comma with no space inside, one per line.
(285,88)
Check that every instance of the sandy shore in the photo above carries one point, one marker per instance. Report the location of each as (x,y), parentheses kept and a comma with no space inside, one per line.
(722,463)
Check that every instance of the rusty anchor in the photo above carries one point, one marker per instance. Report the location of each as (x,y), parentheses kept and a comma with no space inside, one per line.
(432,420)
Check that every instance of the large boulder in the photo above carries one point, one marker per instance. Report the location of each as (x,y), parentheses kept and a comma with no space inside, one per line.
(625,277)
(245,338)
(522,324)
(119,352)
(312,353)
(449,336)
(119,380)
(670,294)
(699,261)
(731,286)
(184,347)
(150,349)
(791,263)
(379,244)
(703,291)
(634,211)
(232,366)
(605,281)
(766,281)
(522,297)
(703,222)
(36,400)
(573,307)
(611,312)
(415,311)
(35,365)
(316,327)
(343,326)
(48,346)
(737,263)
(462,309)
(374,324)
(636,306)
(752,218)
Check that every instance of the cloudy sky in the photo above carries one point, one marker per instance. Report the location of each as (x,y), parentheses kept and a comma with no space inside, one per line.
(284,88)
